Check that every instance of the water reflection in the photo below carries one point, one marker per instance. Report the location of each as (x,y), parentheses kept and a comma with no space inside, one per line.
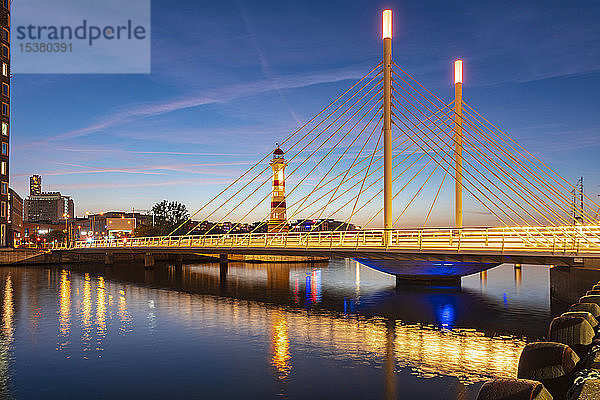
(100,313)
(466,354)
(292,315)
(64,324)
(124,316)
(280,344)
(7,335)
(7,310)
(86,314)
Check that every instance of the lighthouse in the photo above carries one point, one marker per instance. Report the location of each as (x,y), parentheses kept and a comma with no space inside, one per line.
(278,218)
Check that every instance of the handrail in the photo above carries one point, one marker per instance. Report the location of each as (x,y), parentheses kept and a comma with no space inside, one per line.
(553,239)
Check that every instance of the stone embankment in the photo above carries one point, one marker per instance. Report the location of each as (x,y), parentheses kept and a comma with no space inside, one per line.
(567,366)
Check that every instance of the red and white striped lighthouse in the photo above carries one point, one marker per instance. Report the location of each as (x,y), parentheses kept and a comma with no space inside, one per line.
(278,218)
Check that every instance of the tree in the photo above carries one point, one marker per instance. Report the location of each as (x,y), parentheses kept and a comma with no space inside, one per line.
(169,213)
(167,217)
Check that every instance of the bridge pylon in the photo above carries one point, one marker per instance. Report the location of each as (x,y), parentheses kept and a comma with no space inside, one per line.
(458,125)
(387,125)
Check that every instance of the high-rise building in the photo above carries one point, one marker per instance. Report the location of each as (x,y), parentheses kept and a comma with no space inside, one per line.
(35,185)
(4,118)
(48,207)
(15,218)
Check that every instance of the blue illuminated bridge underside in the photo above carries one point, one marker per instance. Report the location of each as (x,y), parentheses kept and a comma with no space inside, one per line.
(422,270)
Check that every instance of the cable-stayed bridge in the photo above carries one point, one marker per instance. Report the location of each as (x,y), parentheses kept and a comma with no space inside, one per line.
(384,155)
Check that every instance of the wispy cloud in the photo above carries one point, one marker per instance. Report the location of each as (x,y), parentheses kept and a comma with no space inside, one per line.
(220,95)
(266,69)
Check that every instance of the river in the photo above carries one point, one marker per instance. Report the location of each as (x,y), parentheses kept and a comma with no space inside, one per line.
(333,330)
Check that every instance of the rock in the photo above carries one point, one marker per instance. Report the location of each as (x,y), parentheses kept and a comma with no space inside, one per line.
(575,332)
(586,387)
(592,308)
(553,364)
(513,389)
(584,314)
(592,298)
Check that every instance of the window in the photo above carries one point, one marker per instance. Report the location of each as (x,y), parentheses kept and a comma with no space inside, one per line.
(5,89)
(4,187)
(5,129)
(5,51)
(5,3)
(3,210)
(3,168)
(5,35)
(5,109)
(4,148)
(4,69)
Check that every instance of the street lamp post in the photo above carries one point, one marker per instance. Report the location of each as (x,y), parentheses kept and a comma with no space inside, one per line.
(66,217)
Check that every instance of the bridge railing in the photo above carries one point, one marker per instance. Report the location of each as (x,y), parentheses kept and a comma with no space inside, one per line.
(560,239)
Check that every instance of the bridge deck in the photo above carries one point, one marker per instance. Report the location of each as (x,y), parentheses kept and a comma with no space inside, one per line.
(563,245)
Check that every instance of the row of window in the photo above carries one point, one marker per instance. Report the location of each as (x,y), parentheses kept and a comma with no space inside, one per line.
(4,110)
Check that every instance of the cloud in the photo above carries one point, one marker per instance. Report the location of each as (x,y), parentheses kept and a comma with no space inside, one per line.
(214,96)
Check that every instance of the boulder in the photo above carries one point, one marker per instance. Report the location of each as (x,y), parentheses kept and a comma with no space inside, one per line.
(575,332)
(586,387)
(592,308)
(513,389)
(592,298)
(553,364)
(584,314)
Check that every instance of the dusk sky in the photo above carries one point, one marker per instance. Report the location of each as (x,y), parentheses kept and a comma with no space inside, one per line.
(231,78)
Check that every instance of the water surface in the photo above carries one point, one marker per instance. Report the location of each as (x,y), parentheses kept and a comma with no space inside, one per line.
(338,330)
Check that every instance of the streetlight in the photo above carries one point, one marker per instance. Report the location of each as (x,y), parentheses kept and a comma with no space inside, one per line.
(66,217)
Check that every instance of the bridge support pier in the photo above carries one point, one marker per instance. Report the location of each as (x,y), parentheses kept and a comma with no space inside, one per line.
(149,261)
(178,262)
(223,267)
(108,259)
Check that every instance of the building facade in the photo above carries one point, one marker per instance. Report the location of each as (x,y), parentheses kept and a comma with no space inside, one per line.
(50,207)
(35,185)
(4,119)
(47,207)
(315,225)
(15,221)
(109,224)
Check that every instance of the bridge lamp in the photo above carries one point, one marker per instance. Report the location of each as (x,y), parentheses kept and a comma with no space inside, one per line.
(458,72)
(387,24)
